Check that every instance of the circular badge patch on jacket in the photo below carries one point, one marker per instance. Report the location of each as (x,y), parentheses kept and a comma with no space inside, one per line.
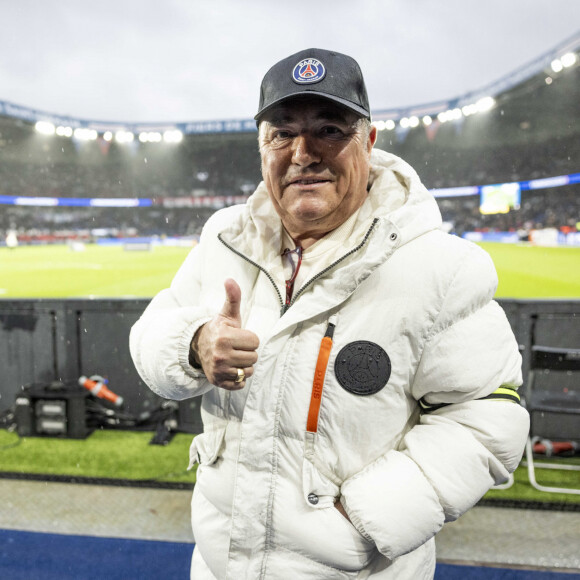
(308,70)
(362,367)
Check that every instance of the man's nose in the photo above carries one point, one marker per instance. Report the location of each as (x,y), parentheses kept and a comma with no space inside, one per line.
(305,152)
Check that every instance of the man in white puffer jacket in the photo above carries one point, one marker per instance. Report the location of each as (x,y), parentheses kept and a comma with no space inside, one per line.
(358,380)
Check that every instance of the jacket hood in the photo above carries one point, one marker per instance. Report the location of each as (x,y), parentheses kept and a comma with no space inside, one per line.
(396,193)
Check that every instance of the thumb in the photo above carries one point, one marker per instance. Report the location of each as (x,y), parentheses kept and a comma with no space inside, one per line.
(231,307)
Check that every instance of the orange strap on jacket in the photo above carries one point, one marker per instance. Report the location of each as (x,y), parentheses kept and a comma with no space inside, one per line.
(318,382)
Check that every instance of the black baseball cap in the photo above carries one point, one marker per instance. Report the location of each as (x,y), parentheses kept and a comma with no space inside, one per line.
(319,72)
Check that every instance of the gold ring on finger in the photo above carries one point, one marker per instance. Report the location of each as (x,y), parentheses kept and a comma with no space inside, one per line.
(241,376)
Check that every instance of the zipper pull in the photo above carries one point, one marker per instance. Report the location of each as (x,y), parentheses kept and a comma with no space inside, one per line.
(319,374)
(329,331)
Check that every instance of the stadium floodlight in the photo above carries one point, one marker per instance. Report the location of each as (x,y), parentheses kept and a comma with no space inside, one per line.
(427,120)
(485,104)
(173,136)
(404,123)
(108,136)
(150,137)
(154,137)
(124,136)
(380,125)
(413,121)
(449,115)
(557,65)
(390,125)
(64,131)
(569,59)
(84,134)
(468,110)
(45,128)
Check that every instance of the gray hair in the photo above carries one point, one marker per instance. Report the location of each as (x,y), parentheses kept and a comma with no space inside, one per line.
(365,126)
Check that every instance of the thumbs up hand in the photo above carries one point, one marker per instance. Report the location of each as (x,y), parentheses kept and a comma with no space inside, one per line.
(222,346)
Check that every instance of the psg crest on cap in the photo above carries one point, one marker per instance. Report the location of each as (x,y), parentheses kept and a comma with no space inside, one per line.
(308,70)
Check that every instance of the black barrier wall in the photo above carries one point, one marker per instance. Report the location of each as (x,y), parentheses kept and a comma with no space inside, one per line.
(47,340)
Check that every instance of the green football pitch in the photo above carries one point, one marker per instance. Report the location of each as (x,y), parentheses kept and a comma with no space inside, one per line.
(110,271)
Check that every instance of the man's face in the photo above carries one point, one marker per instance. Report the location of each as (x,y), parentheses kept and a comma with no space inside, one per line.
(315,164)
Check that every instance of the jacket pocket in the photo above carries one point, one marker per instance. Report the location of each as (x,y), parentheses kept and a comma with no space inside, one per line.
(206,447)
(319,491)
(331,538)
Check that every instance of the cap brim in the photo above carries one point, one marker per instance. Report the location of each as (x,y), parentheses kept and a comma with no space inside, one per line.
(344,102)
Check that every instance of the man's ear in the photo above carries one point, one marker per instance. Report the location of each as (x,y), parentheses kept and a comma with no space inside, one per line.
(372,139)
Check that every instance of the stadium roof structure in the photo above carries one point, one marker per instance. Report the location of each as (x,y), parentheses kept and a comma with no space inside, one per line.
(552,63)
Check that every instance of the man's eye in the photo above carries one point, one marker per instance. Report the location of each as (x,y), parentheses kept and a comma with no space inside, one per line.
(332,131)
(281,134)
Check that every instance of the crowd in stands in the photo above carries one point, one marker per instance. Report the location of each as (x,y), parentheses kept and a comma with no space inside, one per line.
(60,224)
(89,180)
(548,208)
(438,167)
(441,168)
(556,207)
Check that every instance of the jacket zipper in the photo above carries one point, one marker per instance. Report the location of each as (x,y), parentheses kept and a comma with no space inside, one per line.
(285,307)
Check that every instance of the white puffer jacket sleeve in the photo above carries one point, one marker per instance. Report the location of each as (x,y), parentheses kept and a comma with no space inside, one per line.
(447,462)
(161,338)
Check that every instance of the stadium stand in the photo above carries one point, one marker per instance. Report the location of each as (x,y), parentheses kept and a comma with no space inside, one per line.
(528,128)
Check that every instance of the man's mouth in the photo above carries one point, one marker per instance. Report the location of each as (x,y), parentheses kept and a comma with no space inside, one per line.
(308,181)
